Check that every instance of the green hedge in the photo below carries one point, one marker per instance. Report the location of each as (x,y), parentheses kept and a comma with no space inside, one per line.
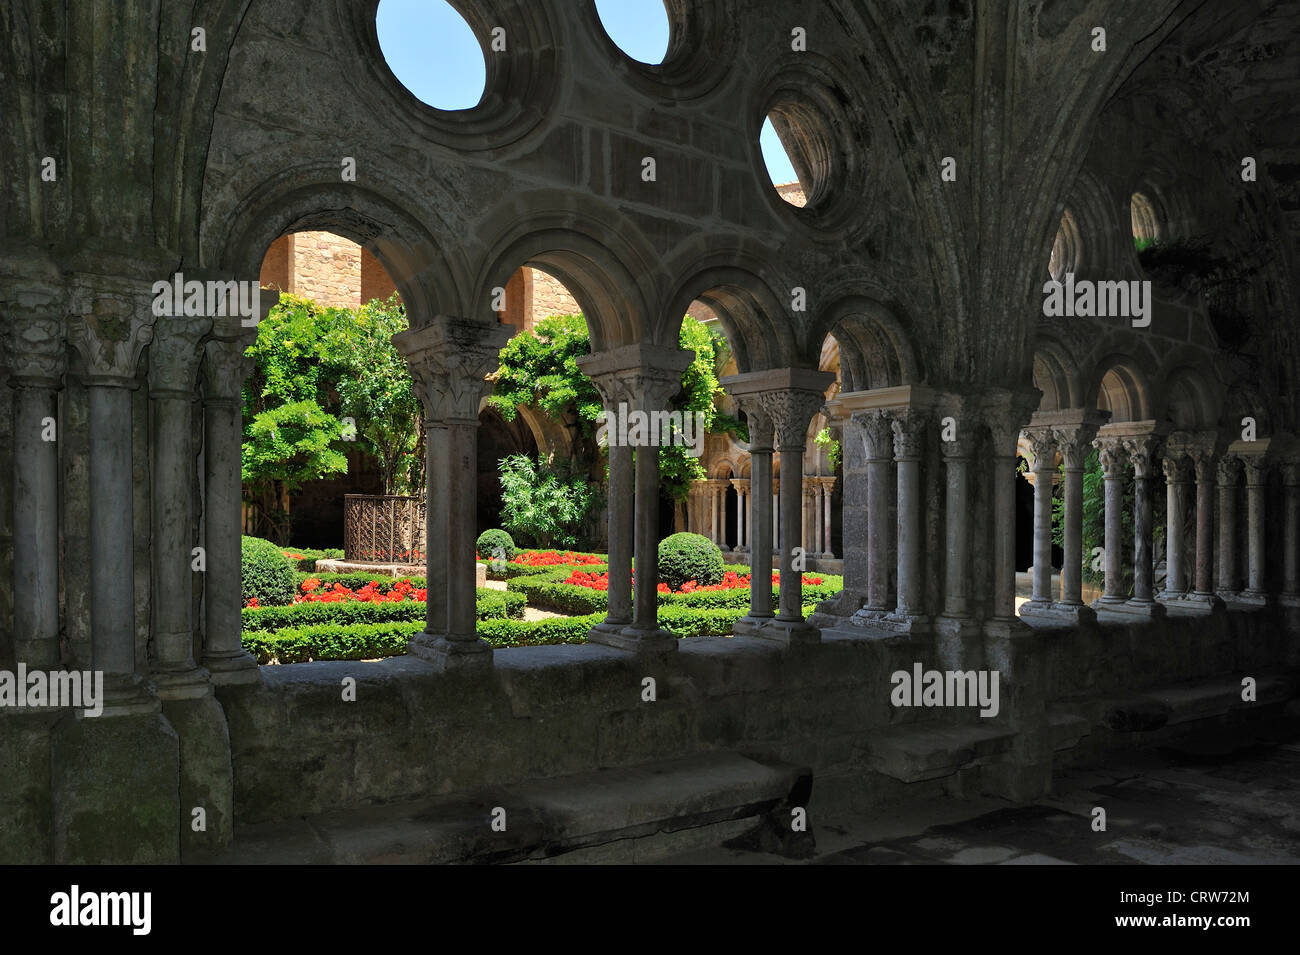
(311,555)
(358,579)
(374,640)
(547,591)
(490,605)
(686,556)
(265,573)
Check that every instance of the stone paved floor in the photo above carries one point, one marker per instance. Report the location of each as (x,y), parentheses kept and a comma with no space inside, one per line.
(1214,797)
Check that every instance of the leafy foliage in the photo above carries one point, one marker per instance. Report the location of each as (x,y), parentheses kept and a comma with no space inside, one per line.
(495,545)
(545,505)
(265,573)
(834,452)
(684,557)
(373,383)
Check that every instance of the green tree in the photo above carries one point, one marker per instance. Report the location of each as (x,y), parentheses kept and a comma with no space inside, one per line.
(291,435)
(373,384)
(545,505)
(540,369)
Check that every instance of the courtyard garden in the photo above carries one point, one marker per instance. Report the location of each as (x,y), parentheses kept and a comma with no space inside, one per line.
(534,597)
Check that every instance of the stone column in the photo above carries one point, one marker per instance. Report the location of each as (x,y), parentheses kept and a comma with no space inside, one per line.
(760,521)
(740,487)
(449,359)
(878,436)
(1042,445)
(224,370)
(1177,479)
(652,375)
(1005,414)
(1113,460)
(956,616)
(776,514)
(716,510)
(173,367)
(791,410)
(618,616)
(1142,452)
(1256,468)
(37,365)
(110,336)
(1205,472)
(828,489)
(1229,472)
(909,442)
(1074,442)
(1291,534)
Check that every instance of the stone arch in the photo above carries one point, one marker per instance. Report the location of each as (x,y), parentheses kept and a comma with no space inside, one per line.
(1119,386)
(1102,243)
(1189,389)
(430,282)
(734,283)
(597,253)
(1056,374)
(875,349)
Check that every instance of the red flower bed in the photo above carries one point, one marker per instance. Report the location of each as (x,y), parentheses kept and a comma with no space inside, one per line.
(549,558)
(730,581)
(293,556)
(370,593)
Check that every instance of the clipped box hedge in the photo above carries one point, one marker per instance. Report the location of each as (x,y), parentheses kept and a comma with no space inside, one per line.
(369,641)
(490,604)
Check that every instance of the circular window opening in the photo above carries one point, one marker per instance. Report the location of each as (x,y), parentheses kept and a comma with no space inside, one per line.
(1146,227)
(798,153)
(433,52)
(1065,250)
(639,28)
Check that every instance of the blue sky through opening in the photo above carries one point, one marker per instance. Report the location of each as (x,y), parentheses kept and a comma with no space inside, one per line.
(435,55)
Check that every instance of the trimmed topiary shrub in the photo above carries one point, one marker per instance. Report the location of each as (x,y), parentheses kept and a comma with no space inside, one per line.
(265,573)
(684,557)
(495,544)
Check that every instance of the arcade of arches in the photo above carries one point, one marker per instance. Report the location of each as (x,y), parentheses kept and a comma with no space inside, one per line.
(944,374)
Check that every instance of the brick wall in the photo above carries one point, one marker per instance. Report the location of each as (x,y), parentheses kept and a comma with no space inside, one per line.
(549,297)
(275,265)
(792,192)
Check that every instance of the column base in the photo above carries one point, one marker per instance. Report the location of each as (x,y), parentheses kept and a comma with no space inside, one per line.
(228,669)
(606,628)
(1050,612)
(749,625)
(1128,609)
(444,654)
(1192,602)
(953,643)
(192,683)
(127,696)
(1289,600)
(1248,600)
(1007,628)
(636,640)
(902,622)
(789,632)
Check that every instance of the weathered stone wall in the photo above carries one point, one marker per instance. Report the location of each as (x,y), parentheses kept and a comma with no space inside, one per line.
(327,268)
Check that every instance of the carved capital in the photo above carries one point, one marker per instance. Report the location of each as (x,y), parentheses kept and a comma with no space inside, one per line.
(761,430)
(1005,414)
(1256,468)
(909,434)
(1113,456)
(1177,468)
(791,411)
(1143,452)
(1229,471)
(1074,442)
(877,435)
(110,326)
(175,354)
(224,364)
(37,355)
(450,359)
(1043,444)
(1204,465)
